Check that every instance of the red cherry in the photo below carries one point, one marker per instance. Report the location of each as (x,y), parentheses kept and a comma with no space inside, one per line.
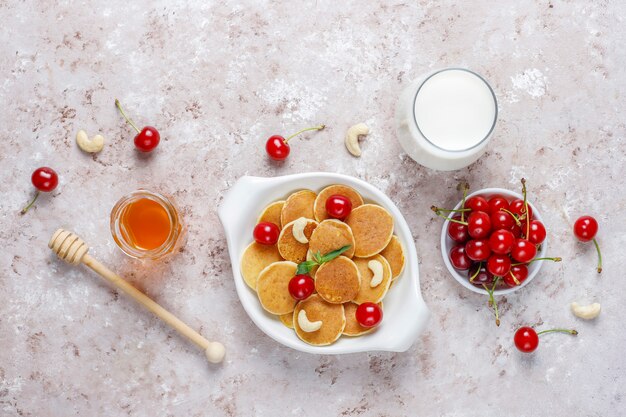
(458,231)
(147,139)
(516,276)
(526,339)
(502,220)
(517,207)
(338,206)
(517,231)
(501,241)
(301,287)
(266,233)
(499,265)
(45,179)
(537,232)
(498,202)
(477,203)
(459,259)
(585,228)
(277,148)
(478,249)
(480,274)
(478,224)
(523,251)
(369,314)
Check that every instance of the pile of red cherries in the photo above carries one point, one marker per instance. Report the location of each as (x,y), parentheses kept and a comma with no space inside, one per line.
(494,237)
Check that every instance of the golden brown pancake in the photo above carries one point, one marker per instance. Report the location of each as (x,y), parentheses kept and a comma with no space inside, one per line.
(319,207)
(332,318)
(271,213)
(298,204)
(287,319)
(338,281)
(272,287)
(394,254)
(331,235)
(289,247)
(353,328)
(372,227)
(366,292)
(255,258)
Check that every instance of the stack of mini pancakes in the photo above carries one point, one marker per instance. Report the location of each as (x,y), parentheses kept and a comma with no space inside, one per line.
(341,284)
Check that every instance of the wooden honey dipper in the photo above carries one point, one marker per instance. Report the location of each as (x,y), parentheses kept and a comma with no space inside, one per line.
(73,250)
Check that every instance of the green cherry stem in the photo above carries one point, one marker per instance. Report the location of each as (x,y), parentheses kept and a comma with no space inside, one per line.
(130,122)
(595,242)
(465,186)
(320,127)
(525,207)
(492,300)
(443,216)
(569,331)
(453,210)
(556,259)
(517,222)
(473,277)
(25,209)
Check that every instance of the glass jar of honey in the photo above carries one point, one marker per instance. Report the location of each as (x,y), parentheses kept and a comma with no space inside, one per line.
(146,225)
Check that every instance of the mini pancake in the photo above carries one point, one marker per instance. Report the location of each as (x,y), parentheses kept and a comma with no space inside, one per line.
(287,319)
(353,328)
(372,227)
(255,258)
(289,247)
(271,213)
(298,204)
(332,318)
(272,287)
(366,292)
(331,235)
(394,254)
(319,207)
(338,281)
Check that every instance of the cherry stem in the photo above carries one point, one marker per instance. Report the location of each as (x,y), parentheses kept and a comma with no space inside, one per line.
(473,277)
(515,280)
(453,210)
(465,186)
(25,209)
(595,242)
(130,122)
(517,222)
(492,300)
(320,127)
(437,209)
(556,259)
(525,206)
(572,331)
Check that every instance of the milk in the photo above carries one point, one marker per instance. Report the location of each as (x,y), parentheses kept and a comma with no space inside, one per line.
(444,120)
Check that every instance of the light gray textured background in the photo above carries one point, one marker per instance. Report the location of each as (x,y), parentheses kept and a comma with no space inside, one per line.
(217,78)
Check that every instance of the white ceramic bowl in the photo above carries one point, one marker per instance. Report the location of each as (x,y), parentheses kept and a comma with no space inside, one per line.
(461,276)
(405,313)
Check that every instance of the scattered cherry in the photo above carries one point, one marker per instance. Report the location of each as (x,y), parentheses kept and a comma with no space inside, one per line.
(458,231)
(523,251)
(479,224)
(369,314)
(44,179)
(516,275)
(477,203)
(498,202)
(501,241)
(266,233)
(277,147)
(499,265)
(459,259)
(338,206)
(301,287)
(537,232)
(585,229)
(147,138)
(526,339)
(478,249)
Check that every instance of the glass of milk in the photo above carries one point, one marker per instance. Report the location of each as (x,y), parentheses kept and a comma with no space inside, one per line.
(444,120)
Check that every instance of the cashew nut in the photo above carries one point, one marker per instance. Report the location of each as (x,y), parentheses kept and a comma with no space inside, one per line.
(92,145)
(377,269)
(306,325)
(298,230)
(352,138)
(587,312)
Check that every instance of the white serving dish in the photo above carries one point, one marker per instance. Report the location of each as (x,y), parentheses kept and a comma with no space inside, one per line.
(461,276)
(405,313)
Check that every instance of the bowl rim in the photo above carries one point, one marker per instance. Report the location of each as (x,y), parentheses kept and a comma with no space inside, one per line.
(419,313)
(445,245)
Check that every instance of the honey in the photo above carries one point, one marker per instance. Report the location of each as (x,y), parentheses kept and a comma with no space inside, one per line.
(145,224)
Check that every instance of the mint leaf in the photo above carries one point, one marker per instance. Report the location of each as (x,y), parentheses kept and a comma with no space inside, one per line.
(318,257)
(332,255)
(305,267)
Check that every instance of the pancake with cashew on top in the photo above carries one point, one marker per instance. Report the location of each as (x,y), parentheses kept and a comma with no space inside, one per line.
(293,241)
(318,322)
(375,279)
